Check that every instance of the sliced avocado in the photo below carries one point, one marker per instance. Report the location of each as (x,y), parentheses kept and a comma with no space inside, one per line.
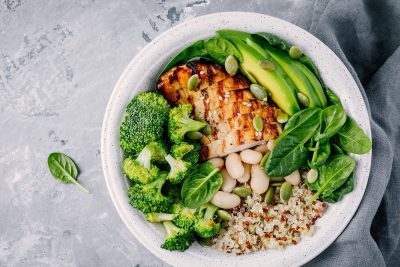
(281,92)
(315,83)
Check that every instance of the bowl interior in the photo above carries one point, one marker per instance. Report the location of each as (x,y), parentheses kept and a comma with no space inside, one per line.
(141,76)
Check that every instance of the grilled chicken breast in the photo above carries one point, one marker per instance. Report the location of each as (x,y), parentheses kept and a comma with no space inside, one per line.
(225,102)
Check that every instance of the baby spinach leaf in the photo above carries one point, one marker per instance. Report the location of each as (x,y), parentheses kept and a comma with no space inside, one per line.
(193,51)
(333,118)
(331,97)
(339,193)
(219,49)
(302,123)
(288,155)
(352,138)
(333,175)
(64,169)
(320,154)
(335,150)
(201,185)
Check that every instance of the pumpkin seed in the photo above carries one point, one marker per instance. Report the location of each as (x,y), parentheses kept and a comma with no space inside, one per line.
(231,65)
(285,191)
(312,175)
(303,99)
(295,52)
(259,92)
(258,123)
(282,118)
(193,82)
(264,159)
(206,130)
(194,135)
(276,184)
(242,191)
(266,65)
(224,215)
(269,196)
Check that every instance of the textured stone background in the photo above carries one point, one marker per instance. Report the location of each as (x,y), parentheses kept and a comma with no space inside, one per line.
(59,61)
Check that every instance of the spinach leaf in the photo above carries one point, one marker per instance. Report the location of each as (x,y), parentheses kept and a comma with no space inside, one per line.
(339,193)
(201,185)
(333,118)
(288,155)
(320,155)
(302,123)
(64,169)
(335,150)
(193,51)
(219,49)
(331,97)
(332,175)
(352,138)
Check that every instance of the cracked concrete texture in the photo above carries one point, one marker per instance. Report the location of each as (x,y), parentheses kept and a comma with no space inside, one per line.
(59,61)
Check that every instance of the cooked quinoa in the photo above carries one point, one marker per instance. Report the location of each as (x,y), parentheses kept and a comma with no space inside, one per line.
(255,226)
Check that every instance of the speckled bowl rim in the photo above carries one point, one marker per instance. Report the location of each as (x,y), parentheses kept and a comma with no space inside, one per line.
(141,73)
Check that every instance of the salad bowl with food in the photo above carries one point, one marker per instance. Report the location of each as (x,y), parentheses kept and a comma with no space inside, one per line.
(236,138)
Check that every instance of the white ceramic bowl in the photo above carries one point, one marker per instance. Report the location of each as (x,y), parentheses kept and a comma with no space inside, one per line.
(140,75)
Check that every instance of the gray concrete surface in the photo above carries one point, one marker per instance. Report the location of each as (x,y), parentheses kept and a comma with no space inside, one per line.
(59,61)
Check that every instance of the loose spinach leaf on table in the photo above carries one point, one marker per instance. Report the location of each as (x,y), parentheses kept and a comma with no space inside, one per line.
(320,154)
(332,175)
(219,49)
(201,185)
(64,169)
(333,118)
(288,155)
(339,193)
(195,50)
(352,138)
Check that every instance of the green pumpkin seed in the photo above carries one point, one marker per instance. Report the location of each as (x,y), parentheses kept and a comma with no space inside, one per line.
(231,65)
(266,65)
(295,52)
(206,130)
(276,184)
(194,135)
(242,191)
(264,159)
(312,175)
(285,191)
(282,118)
(224,215)
(193,82)
(259,92)
(258,123)
(303,99)
(269,196)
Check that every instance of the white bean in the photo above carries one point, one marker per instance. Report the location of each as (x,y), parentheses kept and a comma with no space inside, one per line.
(246,175)
(271,145)
(259,180)
(228,183)
(250,156)
(217,162)
(262,148)
(225,200)
(293,178)
(234,165)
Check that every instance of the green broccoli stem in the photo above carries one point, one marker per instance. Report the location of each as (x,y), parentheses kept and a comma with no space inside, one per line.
(191,125)
(144,158)
(210,211)
(159,217)
(170,228)
(157,184)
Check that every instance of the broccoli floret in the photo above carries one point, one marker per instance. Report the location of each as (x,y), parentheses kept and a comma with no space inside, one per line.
(186,217)
(178,169)
(179,123)
(188,151)
(143,121)
(205,226)
(138,173)
(177,238)
(148,198)
(159,217)
(154,151)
